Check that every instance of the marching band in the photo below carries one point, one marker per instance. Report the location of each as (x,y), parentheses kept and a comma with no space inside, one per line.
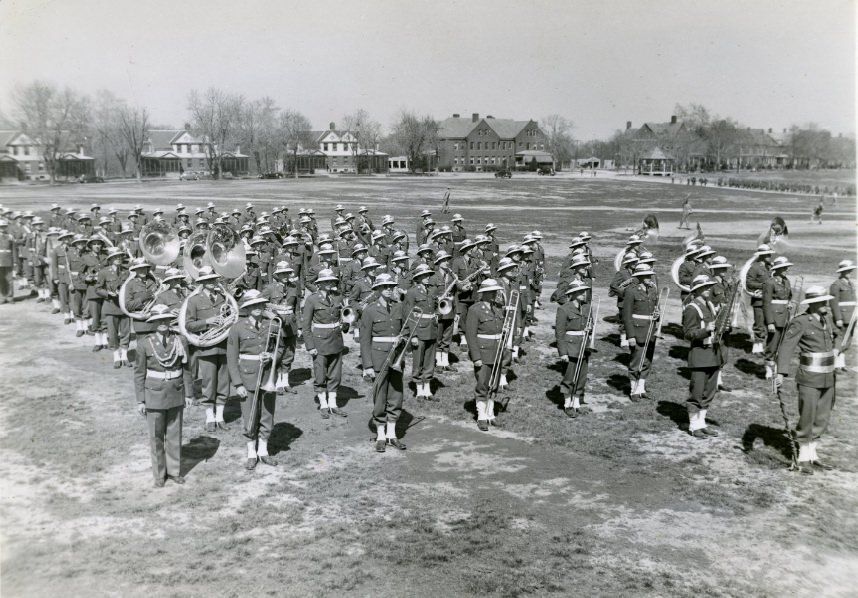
(263,284)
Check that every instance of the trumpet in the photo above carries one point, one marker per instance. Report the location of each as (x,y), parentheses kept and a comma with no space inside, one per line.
(274,328)
(349,314)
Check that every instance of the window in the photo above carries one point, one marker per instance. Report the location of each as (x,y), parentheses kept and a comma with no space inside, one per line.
(324,147)
(190,162)
(472,144)
(41,167)
(26,150)
(455,146)
(15,150)
(479,145)
(472,161)
(494,144)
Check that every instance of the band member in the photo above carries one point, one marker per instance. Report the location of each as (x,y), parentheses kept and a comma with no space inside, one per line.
(382,323)
(172,293)
(623,278)
(509,278)
(425,216)
(362,291)
(640,311)
(704,359)
(59,272)
(162,384)
(424,355)
(484,331)
(8,260)
(703,258)
(282,295)
(204,312)
(777,294)
(813,333)
(425,255)
(323,337)
(440,281)
(458,232)
(493,245)
(720,298)
(139,292)
(352,271)
(249,349)
(571,326)
(463,267)
(755,282)
(118,334)
(94,260)
(843,306)
(687,268)
(325,255)
(77,266)
(35,244)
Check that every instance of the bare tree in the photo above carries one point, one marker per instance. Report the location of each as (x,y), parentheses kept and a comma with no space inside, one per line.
(295,135)
(415,135)
(558,129)
(215,115)
(256,125)
(366,132)
(134,129)
(107,142)
(53,117)
(721,137)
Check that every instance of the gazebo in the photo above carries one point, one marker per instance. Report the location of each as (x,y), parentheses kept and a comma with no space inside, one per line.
(656,163)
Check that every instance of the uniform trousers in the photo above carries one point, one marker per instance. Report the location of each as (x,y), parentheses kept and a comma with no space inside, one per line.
(95,314)
(213,371)
(63,293)
(289,343)
(259,424)
(7,284)
(569,377)
(387,397)
(482,376)
(759,324)
(462,311)
(77,302)
(327,372)
(445,335)
(704,384)
(39,276)
(772,341)
(165,441)
(641,360)
(622,325)
(423,360)
(814,411)
(118,331)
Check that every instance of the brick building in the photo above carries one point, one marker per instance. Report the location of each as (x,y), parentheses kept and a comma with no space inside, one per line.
(486,144)
(21,158)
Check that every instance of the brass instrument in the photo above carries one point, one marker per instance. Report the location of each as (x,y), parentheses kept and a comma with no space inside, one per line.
(588,341)
(654,328)
(724,317)
(195,255)
(143,313)
(226,251)
(743,276)
(674,273)
(218,333)
(398,348)
(275,326)
(349,314)
(159,243)
(445,301)
(505,342)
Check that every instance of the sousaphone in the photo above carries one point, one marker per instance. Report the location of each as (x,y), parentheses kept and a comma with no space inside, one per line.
(159,243)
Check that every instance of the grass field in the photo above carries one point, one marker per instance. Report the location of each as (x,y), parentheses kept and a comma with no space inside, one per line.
(620,502)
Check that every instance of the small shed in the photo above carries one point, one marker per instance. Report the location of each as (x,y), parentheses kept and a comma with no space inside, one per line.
(656,163)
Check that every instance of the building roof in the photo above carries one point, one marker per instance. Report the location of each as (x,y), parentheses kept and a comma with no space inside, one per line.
(665,129)
(506,128)
(454,128)
(162,139)
(656,154)
(755,137)
(458,127)
(7,136)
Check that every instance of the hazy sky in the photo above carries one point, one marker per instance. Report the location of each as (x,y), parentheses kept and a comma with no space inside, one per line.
(597,62)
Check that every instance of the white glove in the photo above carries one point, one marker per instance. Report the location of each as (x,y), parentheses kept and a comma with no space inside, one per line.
(141,409)
(369,373)
(632,341)
(241,391)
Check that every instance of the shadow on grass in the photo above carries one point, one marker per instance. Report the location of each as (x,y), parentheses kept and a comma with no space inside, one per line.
(555,395)
(775,438)
(613,339)
(198,449)
(624,358)
(283,435)
(346,394)
(742,342)
(620,382)
(612,319)
(677,413)
(746,366)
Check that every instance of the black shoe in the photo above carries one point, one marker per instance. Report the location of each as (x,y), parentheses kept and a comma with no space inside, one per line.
(394,442)
(646,396)
(268,460)
(176,479)
(324,413)
(379,446)
(483,425)
(725,389)
(221,425)
(117,365)
(90,332)
(55,311)
(210,426)
(97,348)
(700,434)
(338,411)
(494,422)
(251,464)
(79,333)
(158,483)
(570,412)
(634,398)
(822,465)
(709,432)
(805,467)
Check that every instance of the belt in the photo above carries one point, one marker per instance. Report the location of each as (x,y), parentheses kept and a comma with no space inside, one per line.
(846,303)
(249,357)
(819,363)
(575,332)
(285,311)
(490,337)
(426,316)
(331,325)
(522,287)
(384,339)
(73,273)
(641,317)
(779,301)
(166,375)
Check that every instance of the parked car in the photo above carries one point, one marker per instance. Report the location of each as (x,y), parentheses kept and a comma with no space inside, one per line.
(189,175)
(545,171)
(271,175)
(90,178)
(503,174)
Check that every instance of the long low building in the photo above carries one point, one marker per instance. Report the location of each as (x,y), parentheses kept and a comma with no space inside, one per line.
(171,152)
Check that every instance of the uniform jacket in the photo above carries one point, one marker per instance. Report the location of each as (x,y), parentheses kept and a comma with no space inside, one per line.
(59,270)
(360,292)
(379,322)
(696,317)
(78,266)
(701,269)
(313,274)
(619,285)
(321,310)
(776,289)
(247,339)
(156,392)
(284,300)
(570,324)
(483,319)
(107,287)
(423,296)
(756,279)
(843,303)
(171,299)
(815,341)
(639,300)
(464,266)
(92,264)
(138,292)
(439,281)
(8,251)
(201,307)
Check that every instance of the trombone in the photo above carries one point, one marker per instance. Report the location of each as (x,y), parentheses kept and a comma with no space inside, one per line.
(589,340)
(654,326)
(275,326)
(505,341)
(396,355)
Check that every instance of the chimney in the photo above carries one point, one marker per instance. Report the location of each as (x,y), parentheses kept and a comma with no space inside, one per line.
(187,126)
(475,117)
(455,116)
(488,116)
(673,120)
(770,129)
(80,150)
(237,149)
(333,126)
(628,125)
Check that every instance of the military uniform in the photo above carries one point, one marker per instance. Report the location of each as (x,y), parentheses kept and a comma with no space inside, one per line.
(60,273)
(639,303)
(425,355)
(842,309)
(755,282)
(210,362)
(776,297)
(78,287)
(162,380)
(323,332)
(570,329)
(93,262)
(704,360)
(284,301)
(8,260)
(439,281)
(463,267)
(381,323)
(686,276)
(110,279)
(483,329)
(619,283)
